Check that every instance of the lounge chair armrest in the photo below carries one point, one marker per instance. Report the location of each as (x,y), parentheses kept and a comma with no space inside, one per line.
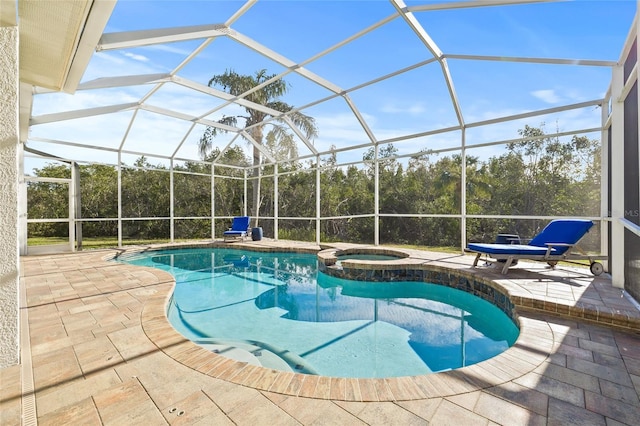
(550,247)
(559,245)
(575,247)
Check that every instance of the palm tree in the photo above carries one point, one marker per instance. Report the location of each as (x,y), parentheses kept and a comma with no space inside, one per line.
(254,120)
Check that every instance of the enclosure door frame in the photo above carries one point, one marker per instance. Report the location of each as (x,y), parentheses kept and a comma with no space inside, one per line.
(51,248)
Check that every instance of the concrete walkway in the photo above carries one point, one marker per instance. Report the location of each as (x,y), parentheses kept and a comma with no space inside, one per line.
(98,349)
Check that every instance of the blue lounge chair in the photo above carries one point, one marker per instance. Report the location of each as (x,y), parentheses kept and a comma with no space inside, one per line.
(556,242)
(239,228)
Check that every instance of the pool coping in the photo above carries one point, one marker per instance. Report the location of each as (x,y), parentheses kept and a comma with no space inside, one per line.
(530,350)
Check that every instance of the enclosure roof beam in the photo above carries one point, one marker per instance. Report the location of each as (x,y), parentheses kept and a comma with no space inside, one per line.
(131,39)
(258,146)
(241,11)
(287,63)
(81,113)
(417,28)
(121,81)
(302,137)
(224,96)
(71,144)
(468,4)
(595,102)
(184,139)
(533,138)
(222,151)
(360,118)
(552,61)
(187,117)
(293,67)
(99,148)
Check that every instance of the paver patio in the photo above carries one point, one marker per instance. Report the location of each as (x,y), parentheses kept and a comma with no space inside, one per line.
(98,349)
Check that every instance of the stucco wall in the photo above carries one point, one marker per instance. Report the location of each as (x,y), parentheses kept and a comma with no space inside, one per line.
(9,348)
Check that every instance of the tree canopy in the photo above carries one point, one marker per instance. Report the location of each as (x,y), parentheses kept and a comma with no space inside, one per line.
(539,175)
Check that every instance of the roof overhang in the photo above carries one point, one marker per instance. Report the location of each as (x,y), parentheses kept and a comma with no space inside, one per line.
(57,40)
(7,13)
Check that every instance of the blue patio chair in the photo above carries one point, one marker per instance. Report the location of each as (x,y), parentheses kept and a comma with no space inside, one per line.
(555,243)
(239,228)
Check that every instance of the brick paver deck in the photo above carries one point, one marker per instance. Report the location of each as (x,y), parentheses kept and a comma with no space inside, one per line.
(98,349)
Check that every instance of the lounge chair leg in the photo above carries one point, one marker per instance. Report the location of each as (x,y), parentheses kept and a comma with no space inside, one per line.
(475,262)
(507,263)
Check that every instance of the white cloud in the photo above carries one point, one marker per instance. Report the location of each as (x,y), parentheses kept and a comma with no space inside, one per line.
(171,49)
(411,109)
(547,95)
(136,57)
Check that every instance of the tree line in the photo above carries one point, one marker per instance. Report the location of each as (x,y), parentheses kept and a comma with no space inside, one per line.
(539,175)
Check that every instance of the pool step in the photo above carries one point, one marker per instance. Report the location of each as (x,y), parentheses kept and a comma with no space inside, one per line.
(246,352)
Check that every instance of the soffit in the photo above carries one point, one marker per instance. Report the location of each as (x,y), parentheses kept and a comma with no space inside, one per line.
(57,40)
(49,34)
(7,14)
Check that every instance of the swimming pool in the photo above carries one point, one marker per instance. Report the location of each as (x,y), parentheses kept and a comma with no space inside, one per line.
(278,311)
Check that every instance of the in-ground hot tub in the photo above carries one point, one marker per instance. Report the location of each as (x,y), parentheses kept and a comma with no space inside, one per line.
(331,257)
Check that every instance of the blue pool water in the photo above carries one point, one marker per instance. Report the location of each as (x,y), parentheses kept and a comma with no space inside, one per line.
(277,310)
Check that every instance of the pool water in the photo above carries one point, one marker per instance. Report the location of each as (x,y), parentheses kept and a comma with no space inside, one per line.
(278,311)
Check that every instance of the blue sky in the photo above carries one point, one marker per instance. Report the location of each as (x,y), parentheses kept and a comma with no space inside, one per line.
(410,103)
